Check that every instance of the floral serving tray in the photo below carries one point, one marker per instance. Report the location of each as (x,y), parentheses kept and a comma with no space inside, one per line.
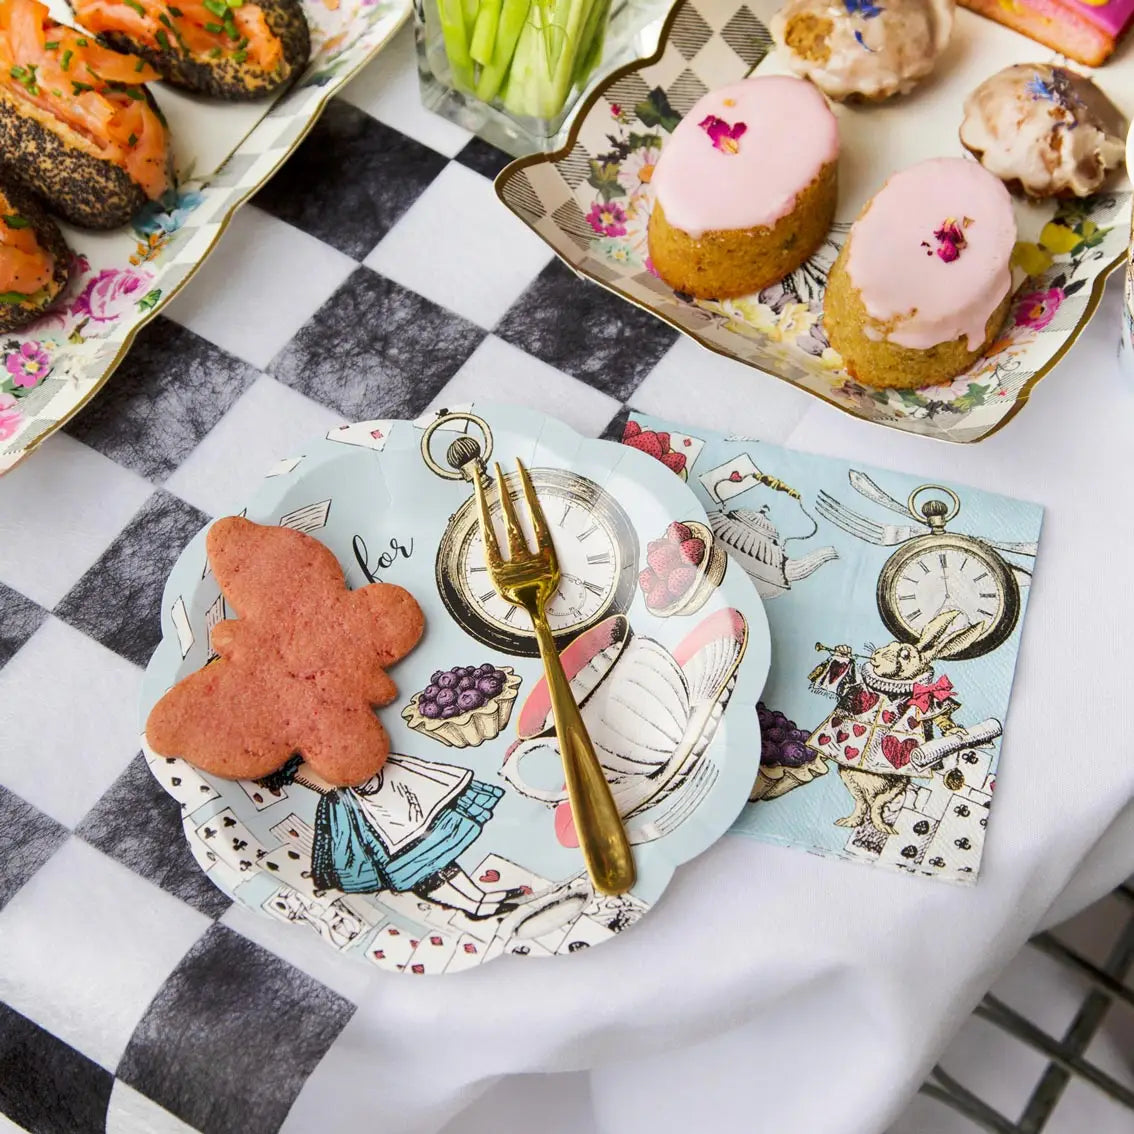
(463,847)
(223,153)
(591,203)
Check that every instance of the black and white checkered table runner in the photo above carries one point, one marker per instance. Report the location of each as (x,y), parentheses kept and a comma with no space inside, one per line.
(375,276)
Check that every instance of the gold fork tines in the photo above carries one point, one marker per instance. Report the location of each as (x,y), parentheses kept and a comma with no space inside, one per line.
(528,579)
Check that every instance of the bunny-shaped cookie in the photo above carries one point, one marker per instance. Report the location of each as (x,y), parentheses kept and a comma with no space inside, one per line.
(884,716)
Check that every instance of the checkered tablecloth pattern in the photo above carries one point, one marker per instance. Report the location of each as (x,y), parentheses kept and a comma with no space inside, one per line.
(374,277)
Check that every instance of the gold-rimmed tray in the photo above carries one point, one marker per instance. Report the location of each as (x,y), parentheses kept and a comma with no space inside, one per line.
(591,203)
(223,153)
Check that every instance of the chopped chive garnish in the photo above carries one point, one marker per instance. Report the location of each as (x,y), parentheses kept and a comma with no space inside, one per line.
(16,221)
(51,45)
(162,40)
(57,93)
(136,6)
(240,56)
(13,297)
(216,29)
(25,76)
(176,13)
(215,53)
(65,62)
(132,140)
(164,19)
(139,67)
(78,88)
(217,7)
(133,92)
(80,42)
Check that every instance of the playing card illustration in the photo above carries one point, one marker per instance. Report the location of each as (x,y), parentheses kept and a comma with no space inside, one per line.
(366,434)
(467,954)
(309,518)
(261,795)
(283,467)
(913,833)
(181,780)
(334,921)
(391,947)
(433,953)
(225,836)
(677,451)
(180,617)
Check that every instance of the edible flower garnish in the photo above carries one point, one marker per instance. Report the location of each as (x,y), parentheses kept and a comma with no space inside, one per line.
(950,239)
(724,137)
(865,8)
(1057,89)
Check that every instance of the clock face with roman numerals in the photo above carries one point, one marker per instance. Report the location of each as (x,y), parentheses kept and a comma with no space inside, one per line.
(935,573)
(597,550)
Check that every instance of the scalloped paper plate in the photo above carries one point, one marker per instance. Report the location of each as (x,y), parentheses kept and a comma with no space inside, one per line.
(223,152)
(591,203)
(456,854)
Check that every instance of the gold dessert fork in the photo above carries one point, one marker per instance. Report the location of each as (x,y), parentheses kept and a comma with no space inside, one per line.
(528,580)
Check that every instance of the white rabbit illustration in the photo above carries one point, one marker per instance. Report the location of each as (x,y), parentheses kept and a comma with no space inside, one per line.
(881,733)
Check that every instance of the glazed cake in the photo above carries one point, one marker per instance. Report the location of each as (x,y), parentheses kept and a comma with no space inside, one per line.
(924,281)
(1086,32)
(1044,131)
(745,188)
(859,50)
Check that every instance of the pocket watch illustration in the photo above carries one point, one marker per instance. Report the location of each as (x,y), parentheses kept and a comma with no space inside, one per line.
(595,543)
(934,570)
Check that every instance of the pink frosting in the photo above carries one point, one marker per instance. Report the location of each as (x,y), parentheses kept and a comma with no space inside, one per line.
(1111,15)
(931,288)
(743,154)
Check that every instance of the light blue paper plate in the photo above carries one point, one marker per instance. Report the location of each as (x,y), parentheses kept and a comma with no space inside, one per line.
(462,848)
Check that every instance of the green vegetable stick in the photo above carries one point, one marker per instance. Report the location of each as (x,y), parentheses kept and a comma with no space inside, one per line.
(513,19)
(530,76)
(456,45)
(484,34)
(565,64)
(593,39)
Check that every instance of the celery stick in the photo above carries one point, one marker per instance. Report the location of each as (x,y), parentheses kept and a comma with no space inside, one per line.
(456,43)
(512,21)
(565,64)
(530,78)
(469,9)
(592,41)
(484,33)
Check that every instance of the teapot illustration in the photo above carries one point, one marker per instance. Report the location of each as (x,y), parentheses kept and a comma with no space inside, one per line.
(751,536)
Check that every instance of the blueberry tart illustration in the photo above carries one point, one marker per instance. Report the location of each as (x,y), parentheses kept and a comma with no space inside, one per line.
(682,569)
(464,706)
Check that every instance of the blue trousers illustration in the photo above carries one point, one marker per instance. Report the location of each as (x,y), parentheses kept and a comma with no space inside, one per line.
(349,855)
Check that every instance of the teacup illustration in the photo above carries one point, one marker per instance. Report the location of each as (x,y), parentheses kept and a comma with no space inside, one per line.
(651,715)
